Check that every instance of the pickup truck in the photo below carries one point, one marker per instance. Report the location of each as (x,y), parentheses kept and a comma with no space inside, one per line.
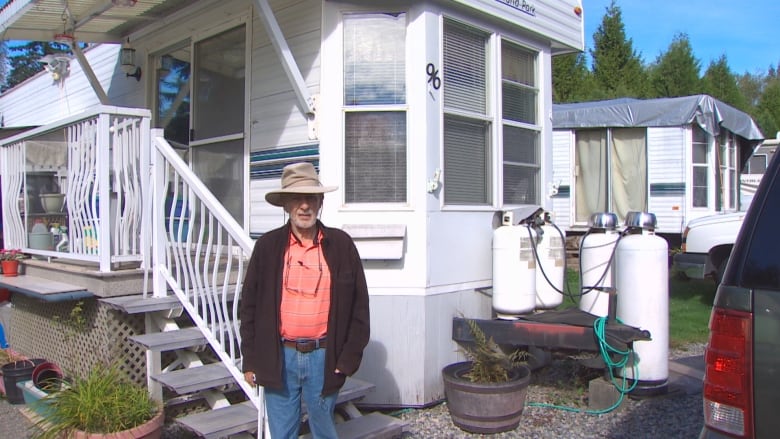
(706,245)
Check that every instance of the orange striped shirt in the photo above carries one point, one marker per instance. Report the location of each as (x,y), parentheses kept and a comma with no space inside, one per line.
(305,290)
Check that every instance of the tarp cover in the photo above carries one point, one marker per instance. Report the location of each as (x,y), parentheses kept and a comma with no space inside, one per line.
(711,114)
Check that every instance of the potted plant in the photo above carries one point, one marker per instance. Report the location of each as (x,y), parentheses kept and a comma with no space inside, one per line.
(104,404)
(10,261)
(486,394)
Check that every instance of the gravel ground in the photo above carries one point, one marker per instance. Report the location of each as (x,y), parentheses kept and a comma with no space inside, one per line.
(675,415)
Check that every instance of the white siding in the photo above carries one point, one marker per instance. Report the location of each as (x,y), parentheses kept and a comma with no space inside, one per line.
(39,100)
(666,168)
(563,150)
(276,119)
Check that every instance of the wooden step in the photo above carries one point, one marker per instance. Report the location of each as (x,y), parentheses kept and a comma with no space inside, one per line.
(373,425)
(137,304)
(237,418)
(222,422)
(170,340)
(196,378)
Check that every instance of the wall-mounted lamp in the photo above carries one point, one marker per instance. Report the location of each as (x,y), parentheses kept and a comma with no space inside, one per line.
(127,60)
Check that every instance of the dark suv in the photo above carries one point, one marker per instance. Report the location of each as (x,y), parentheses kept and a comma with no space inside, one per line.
(742,378)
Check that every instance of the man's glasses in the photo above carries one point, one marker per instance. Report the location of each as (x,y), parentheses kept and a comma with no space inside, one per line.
(297,276)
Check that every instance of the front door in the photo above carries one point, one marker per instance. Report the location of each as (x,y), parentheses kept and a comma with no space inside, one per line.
(201,105)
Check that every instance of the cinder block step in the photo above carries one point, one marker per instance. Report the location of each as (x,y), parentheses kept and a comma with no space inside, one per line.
(194,379)
(136,304)
(373,425)
(222,422)
(170,340)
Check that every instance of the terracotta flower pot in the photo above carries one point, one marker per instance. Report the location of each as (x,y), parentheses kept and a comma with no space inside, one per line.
(152,429)
(10,268)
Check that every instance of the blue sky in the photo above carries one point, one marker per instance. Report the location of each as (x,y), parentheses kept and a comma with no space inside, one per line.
(745,31)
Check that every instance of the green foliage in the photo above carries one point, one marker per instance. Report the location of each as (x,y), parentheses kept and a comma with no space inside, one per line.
(720,83)
(490,364)
(617,68)
(690,304)
(676,72)
(103,402)
(768,109)
(571,79)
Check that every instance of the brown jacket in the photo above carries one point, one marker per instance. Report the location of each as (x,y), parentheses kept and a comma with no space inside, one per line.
(261,295)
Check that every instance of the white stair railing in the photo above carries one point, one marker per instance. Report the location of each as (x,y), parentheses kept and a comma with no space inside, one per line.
(199,253)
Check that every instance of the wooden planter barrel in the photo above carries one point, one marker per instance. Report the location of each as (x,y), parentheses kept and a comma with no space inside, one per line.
(485,407)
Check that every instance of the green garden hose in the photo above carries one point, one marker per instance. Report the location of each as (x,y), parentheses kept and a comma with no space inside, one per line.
(599,327)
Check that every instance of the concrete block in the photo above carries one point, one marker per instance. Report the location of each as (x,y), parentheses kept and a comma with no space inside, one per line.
(602,394)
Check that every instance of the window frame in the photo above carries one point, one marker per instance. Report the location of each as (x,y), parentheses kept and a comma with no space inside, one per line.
(493,116)
(376,108)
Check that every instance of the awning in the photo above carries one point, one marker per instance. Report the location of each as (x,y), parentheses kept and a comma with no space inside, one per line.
(89,21)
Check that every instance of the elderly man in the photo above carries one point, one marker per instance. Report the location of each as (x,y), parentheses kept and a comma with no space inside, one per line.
(304,310)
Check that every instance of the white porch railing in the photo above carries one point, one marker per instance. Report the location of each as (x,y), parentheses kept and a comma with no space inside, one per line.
(200,254)
(97,161)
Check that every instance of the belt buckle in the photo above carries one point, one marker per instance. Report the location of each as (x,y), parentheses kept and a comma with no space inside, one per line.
(305,346)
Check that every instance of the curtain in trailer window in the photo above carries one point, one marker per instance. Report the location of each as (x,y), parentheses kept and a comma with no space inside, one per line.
(590,173)
(375,108)
(700,164)
(629,171)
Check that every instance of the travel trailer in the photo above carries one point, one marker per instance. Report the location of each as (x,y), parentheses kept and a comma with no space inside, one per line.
(755,168)
(679,158)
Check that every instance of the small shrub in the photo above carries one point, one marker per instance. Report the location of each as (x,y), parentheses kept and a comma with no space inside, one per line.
(103,402)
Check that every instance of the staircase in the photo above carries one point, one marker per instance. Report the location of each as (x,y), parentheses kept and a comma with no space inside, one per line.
(194,377)
(199,258)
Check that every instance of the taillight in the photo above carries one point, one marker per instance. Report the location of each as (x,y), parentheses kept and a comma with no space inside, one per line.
(728,379)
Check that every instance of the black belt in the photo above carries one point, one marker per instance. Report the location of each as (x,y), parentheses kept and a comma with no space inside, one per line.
(305,345)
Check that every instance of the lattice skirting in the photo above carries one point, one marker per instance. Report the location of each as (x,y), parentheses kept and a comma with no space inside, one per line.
(78,335)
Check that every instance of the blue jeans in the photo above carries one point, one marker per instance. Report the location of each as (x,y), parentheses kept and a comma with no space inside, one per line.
(303,374)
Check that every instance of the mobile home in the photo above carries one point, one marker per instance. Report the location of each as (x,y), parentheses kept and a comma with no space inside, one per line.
(679,158)
(430,116)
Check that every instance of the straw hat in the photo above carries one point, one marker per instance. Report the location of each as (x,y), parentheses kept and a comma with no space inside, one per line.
(298,178)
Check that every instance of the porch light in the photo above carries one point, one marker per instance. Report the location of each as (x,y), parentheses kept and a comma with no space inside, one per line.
(127,60)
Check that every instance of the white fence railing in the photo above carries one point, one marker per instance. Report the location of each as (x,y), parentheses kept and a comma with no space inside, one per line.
(74,189)
(199,253)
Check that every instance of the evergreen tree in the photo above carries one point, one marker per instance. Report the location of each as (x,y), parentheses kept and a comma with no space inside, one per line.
(676,72)
(720,83)
(617,68)
(570,78)
(767,115)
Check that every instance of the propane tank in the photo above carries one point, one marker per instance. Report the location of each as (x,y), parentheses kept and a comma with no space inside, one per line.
(642,283)
(596,249)
(514,271)
(550,270)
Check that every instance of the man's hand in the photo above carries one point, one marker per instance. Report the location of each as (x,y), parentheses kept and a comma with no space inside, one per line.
(249,377)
